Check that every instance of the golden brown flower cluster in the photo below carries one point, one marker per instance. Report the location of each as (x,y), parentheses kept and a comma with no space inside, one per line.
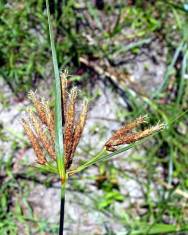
(125,135)
(73,127)
(40,125)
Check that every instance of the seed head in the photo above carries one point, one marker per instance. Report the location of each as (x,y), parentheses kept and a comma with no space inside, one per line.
(129,127)
(38,106)
(125,136)
(42,133)
(42,136)
(72,128)
(50,120)
(69,124)
(34,142)
(64,92)
(80,126)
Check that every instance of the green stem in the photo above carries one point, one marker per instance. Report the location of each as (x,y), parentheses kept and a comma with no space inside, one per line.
(104,155)
(88,163)
(62,210)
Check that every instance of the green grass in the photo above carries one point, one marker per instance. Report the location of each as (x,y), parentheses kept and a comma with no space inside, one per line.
(23,42)
(25,58)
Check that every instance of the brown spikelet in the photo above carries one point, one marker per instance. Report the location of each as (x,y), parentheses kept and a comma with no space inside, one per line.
(38,106)
(80,126)
(50,120)
(34,142)
(64,92)
(129,127)
(135,123)
(142,134)
(132,137)
(43,122)
(42,136)
(69,124)
(147,132)
(126,129)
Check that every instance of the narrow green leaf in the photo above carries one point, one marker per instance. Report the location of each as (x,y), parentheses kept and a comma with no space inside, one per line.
(58,111)
(181,7)
(159,229)
(169,71)
(104,155)
(182,78)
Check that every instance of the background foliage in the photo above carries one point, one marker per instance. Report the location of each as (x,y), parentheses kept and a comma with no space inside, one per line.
(108,36)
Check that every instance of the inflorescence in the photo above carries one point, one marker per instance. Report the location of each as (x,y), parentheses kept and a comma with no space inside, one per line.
(40,127)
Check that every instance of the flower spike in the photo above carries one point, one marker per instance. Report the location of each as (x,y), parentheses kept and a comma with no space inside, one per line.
(41,128)
(125,135)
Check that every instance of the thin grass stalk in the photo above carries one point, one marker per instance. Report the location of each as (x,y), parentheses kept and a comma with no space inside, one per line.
(182,78)
(58,125)
(175,5)
(103,156)
(62,210)
(168,71)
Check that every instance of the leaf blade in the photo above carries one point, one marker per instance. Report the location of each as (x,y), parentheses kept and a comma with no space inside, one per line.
(58,111)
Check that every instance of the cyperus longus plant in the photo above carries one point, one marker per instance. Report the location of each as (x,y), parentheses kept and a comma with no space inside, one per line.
(39,125)
(55,134)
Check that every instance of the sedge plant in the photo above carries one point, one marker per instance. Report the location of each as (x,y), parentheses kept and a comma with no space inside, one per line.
(40,125)
(55,134)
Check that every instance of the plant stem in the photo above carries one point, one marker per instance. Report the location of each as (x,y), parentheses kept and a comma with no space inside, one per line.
(62,210)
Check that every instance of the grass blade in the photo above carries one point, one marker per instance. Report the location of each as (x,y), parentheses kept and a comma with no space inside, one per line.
(160,229)
(181,7)
(182,78)
(169,71)
(58,111)
(104,155)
